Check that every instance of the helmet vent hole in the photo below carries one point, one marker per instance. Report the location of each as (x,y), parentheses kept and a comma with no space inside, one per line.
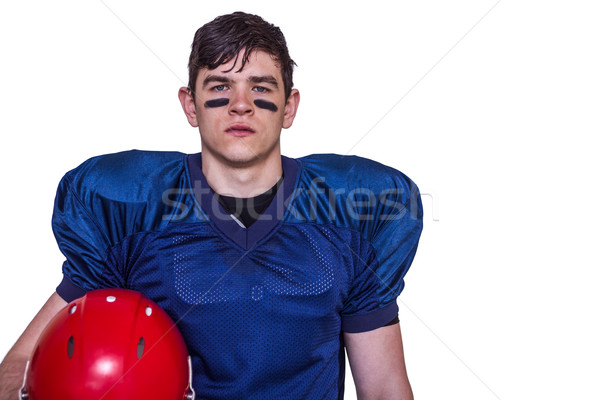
(140,347)
(70,347)
(148,311)
(72,309)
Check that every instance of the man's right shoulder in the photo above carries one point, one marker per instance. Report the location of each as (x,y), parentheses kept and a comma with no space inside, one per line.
(115,175)
(126,162)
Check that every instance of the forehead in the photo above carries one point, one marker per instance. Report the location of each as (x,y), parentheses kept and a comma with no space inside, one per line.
(260,63)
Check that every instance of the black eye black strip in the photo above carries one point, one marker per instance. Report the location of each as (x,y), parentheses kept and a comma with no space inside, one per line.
(216,103)
(267,105)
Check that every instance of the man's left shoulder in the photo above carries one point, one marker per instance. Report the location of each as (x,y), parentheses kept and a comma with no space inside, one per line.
(356,172)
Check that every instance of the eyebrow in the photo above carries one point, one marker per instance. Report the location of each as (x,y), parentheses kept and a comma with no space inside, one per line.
(215,78)
(270,79)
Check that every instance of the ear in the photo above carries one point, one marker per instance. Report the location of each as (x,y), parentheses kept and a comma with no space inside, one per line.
(189,106)
(291,106)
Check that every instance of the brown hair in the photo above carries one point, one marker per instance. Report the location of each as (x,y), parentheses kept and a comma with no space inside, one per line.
(222,39)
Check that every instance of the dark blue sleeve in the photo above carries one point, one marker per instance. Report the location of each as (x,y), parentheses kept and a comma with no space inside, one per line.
(103,201)
(81,238)
(69,291)
(392,225)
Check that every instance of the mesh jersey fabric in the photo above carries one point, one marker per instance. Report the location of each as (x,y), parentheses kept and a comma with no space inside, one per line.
(262,309)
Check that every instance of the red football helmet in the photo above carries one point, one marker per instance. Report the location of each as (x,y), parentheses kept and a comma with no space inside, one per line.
(111,344)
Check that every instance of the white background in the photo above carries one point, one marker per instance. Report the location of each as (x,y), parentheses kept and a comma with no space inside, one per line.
(494,119)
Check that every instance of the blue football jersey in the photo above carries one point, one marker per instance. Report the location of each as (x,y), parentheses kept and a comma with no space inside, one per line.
(263,308)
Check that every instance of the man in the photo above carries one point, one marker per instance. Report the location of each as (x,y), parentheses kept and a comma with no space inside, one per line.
(269,265)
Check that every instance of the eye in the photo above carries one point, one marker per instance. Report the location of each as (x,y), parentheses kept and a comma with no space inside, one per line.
(261,89)
(219,88)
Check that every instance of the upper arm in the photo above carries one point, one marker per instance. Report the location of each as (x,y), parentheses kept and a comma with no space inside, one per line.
(377,362)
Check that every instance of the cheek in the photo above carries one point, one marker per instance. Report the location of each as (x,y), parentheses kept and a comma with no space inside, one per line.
(208,120)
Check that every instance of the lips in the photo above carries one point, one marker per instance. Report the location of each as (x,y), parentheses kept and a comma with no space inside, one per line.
(240,130)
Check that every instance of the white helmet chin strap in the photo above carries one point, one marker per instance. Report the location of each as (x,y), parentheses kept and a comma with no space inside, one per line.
(192,394)
(23,391)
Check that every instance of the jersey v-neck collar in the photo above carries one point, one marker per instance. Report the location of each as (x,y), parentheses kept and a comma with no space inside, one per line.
(246,238)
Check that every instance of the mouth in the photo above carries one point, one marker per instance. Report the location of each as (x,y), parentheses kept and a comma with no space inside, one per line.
(240,130)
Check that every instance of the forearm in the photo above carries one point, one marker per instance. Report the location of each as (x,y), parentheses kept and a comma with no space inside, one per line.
(12,370)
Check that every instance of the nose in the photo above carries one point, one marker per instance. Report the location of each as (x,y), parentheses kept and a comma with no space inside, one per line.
(241,103)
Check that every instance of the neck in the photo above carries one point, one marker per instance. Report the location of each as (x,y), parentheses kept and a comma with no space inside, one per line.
(247,180)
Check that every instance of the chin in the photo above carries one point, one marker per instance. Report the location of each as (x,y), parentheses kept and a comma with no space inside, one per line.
(240,155)
(241,160)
